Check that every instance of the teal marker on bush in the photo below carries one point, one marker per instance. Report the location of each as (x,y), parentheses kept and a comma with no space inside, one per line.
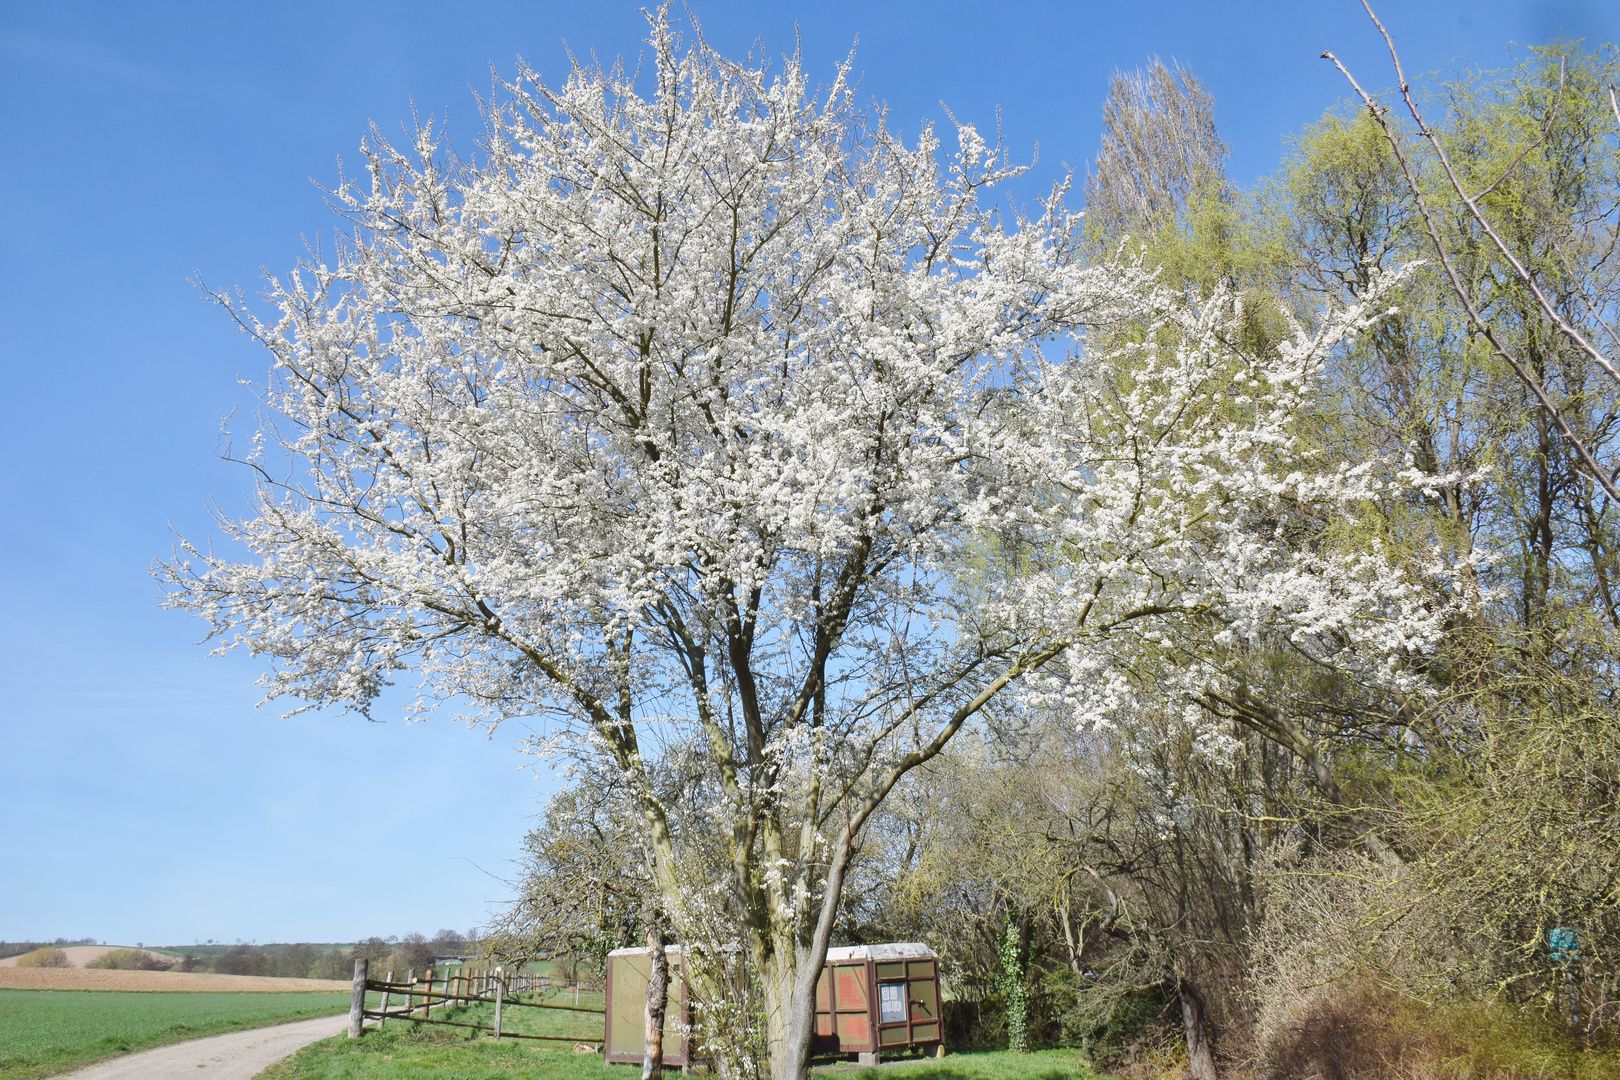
(1563,945)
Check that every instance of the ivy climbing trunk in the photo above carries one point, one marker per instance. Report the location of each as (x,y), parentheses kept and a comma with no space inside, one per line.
(1014,987)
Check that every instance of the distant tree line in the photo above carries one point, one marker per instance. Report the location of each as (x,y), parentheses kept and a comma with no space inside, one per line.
(305,960)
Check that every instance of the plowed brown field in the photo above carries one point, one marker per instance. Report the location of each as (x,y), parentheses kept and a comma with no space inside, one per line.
(13,978)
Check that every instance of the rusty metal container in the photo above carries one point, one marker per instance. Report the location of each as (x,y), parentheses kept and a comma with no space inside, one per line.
(879,998)
(870,1000)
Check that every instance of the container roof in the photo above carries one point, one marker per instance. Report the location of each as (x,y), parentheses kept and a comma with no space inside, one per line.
(895,950)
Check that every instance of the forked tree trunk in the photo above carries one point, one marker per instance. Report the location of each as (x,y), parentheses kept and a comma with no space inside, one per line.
(1200,1062)
(652,1046)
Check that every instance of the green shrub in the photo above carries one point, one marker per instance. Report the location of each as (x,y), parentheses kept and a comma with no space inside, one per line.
(241,960)
(44,957)
(130,960)
(1363,1032)
(335,964)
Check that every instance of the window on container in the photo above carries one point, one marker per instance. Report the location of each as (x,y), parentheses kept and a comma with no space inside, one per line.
(892,1003)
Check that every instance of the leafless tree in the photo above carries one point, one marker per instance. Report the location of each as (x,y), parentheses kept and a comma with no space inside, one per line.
(1160,148)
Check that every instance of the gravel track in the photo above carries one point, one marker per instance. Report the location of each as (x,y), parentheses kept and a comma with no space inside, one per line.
(239,1055)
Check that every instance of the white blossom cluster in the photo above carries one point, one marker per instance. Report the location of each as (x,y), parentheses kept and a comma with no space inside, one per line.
(719,417)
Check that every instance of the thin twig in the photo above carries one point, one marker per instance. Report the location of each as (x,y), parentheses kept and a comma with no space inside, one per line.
(1379,114)
(1524,275)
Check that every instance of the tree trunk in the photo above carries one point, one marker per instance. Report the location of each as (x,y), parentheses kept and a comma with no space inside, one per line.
(795,1018)
(1200,1062)
(789,1059)
(652,1045)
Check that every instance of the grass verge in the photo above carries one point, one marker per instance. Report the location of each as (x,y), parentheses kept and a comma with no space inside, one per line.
(50,1031)
(974,1065)
(405,1051)
(402,1050)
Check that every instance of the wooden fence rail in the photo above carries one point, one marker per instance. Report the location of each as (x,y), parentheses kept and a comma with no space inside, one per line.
(480,986)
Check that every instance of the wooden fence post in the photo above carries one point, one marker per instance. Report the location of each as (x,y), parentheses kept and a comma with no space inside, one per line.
(383,1019)
(357,998)
(500,985)
(427,1002)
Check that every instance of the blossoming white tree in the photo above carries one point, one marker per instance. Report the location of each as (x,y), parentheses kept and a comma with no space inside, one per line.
(720,418)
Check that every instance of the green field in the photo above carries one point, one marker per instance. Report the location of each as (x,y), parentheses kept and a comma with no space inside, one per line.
(405,1051)
(50,1031)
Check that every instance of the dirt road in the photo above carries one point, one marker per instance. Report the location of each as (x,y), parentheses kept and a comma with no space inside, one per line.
(237,1056)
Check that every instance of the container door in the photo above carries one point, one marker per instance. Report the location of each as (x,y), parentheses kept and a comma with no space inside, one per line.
(852,1008)
(627,1010)
(894,1023)
(825,1031)
(922,986)
(677,1012)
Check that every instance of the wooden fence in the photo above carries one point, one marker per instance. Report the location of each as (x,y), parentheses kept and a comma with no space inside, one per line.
(414,999)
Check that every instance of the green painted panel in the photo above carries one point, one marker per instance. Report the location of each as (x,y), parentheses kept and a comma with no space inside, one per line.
(924,1000)
(629,975)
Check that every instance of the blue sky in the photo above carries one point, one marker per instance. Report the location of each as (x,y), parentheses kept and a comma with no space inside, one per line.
(143,796)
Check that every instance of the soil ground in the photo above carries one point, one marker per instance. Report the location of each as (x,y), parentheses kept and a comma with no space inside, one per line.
(14,978)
